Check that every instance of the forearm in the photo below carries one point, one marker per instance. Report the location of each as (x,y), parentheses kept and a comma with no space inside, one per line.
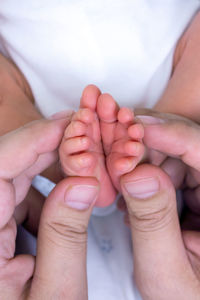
(182,94)
(16,100)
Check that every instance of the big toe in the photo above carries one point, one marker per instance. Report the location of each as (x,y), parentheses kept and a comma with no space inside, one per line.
(89,97)
(107,108)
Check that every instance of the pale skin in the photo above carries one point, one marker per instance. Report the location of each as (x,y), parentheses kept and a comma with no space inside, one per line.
(166,260)
(181,97)
(189,285)
(101,127)
(182,93)
(59,271)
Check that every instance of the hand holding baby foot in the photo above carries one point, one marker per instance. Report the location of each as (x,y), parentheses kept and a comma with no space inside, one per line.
(86,142)
(160,247)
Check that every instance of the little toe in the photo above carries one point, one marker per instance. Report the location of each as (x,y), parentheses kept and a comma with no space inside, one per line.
(89,97)
(127,147)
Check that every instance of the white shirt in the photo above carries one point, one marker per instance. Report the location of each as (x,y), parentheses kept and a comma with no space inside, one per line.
(123,46)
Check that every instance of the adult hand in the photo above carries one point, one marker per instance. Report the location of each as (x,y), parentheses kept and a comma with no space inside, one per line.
(60,270)
(25,153)
(178,141)
(167,262)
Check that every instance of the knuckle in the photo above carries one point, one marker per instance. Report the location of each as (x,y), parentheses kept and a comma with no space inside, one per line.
(152,217)
(151,221)
(68,235)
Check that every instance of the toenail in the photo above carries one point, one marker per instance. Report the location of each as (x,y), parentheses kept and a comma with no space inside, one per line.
(81,196)
(142,188)
(148,120)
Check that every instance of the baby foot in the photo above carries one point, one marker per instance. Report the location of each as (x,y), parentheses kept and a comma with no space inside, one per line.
(81,151)
(121,138)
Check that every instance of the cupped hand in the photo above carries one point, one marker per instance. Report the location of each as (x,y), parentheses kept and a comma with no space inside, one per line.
(166,260)
(25,153)
(60,268)
(177,138)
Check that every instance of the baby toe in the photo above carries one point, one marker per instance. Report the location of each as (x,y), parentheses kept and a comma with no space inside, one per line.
(75,165)
(125,116)
(107,108)
(133,148)
(125,164)
(75,145)
(136,131)
(84,115)
(90,97)
(75,128)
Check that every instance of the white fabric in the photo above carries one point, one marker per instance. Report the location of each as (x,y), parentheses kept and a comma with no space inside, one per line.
(123,46)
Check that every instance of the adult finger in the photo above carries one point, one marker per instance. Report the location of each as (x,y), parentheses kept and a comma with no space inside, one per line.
(176,170)
(192,244)
(159,253)
(25,153)
(61,255)
(15,272)
(21,148)
(173,135)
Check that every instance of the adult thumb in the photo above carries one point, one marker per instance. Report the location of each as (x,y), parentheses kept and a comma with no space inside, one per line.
(60,271)
(161,266)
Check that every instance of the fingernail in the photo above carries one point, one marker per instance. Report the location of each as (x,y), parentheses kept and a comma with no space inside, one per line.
(148,120)
(81,196)
(142,188)
(61,115)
